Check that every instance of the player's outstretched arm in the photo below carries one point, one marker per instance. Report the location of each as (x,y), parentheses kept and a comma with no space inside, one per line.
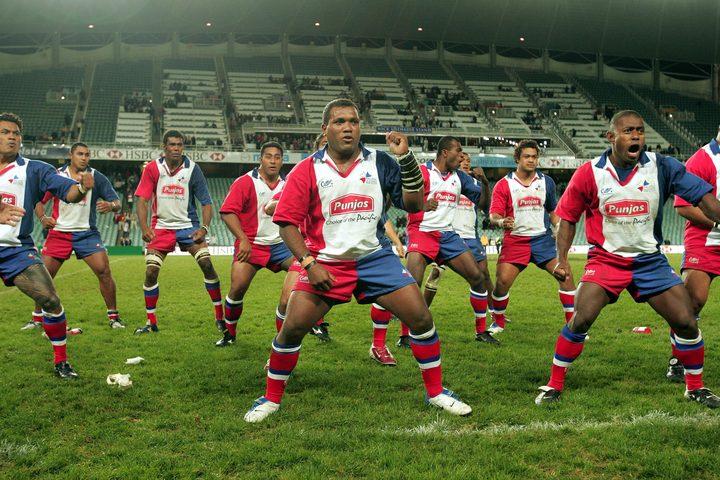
(695,215)
(10,214)
(710,206)
(565,235)
(78,192)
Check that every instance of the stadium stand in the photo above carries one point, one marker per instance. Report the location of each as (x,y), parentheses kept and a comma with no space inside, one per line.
(106,119)
(319,80)
(381,87)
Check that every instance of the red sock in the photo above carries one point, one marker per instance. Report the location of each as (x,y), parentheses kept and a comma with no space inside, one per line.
(404,330)
(691,353)
(233,310)
(37,316)
(320,321)
(568,347)
(568,303)
(498,309)
(55,327)
(426,350)
(151,299)
(213,288)
(283,359)
(380,320)
(279,319)
(479,303)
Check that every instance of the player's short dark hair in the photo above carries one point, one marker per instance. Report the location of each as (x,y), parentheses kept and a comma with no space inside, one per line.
(173,134)
(13,118)
(445,143)
(318,139)
(522,144)
(622,114)
(77,145)
(271,145)
(337,103)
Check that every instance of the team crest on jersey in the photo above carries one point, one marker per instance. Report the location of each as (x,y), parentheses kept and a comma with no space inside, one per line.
(352,203)
(446,197)
(627,208)
(644,185)
(326,183)
(529,202)
(173,189)
(8,198)
(368,179)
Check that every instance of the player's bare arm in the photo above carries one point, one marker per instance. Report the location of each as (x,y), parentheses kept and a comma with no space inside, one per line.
(565,235)
(413,195)
(507,223)
(78,192)
(10,214)
(142,211)
(46,221)
(710,207)
(199,235)
(245,247)
(105,206)
(318,277)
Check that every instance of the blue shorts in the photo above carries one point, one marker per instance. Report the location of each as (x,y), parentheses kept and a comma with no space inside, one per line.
(166,239)
(14,261)
(477,248)
(367,279)
(436,246)
(520,251)
(60,245)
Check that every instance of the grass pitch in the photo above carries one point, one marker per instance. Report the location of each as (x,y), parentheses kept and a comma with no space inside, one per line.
(343,416)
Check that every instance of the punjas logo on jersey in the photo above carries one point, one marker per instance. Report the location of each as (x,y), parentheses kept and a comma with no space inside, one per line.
(465,202)
(352,203)
(446,197)
(529,202)
(627,208)
(173,190)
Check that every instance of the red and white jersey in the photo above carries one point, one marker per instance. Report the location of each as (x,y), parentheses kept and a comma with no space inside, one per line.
(81,216)
(465,218)
(341,213)
(446,188)
(174,193)
(623,216)
(246,199)
(529,204)
(705,163)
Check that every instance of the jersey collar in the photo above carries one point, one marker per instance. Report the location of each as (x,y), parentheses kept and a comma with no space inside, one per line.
(330,163)
(714,147)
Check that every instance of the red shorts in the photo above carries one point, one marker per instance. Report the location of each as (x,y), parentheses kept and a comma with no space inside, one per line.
(367,279)
(295,267)
(704,259)
(61,245)
(267,256)
(643,276)
(520,251)
(166,239)
(436,246)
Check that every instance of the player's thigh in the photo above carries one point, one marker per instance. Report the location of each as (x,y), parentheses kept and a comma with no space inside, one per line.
(408,306)
(590,299)
(99,263)
(241,275)
(36,283)
(52,264)
(505,275)
(466,266)
(697,283)
(303,311)
(416,264)
(675,306)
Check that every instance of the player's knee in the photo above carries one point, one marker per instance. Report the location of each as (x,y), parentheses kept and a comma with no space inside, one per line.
(202,257)
(49,302)
(153,262)
(423,321)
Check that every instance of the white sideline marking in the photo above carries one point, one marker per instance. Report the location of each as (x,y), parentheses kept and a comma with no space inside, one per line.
(441,426)
(63,275)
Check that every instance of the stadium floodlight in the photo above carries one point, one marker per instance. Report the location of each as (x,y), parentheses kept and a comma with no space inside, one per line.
(208,24)
(522,39)
(91,26)
(420,29)
(317,24)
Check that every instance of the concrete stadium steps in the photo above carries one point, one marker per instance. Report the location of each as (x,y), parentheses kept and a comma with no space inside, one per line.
(265,65)
(707,114)
(25,94)
(111,83)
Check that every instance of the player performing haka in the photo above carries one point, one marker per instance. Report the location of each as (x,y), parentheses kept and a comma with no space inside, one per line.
(430,232)
(622,193)
(72,228)
(465,225)
(23,183)
(701,262)
(258,243)
(338,194)
(523,204)
(173,182)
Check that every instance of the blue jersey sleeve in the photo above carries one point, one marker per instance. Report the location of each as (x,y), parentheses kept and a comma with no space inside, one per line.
(389,173)
(104,189)
(550,194)
(678,181)
(469,187)
(48,180)
(199,187)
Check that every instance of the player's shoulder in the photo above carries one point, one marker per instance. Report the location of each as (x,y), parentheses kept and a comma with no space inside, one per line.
(36,165)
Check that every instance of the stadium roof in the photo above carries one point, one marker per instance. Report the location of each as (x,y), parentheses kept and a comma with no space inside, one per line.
(678,30)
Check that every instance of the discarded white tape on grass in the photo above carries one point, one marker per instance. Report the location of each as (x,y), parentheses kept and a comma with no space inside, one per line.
(441,426)
(11,450)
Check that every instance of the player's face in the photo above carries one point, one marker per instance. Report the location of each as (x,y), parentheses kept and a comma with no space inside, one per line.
(465,163)
(627,138)
(454,156)
(529,159)
(271,161)
(174,148)
(343,130)
(80,158)
(10,139)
